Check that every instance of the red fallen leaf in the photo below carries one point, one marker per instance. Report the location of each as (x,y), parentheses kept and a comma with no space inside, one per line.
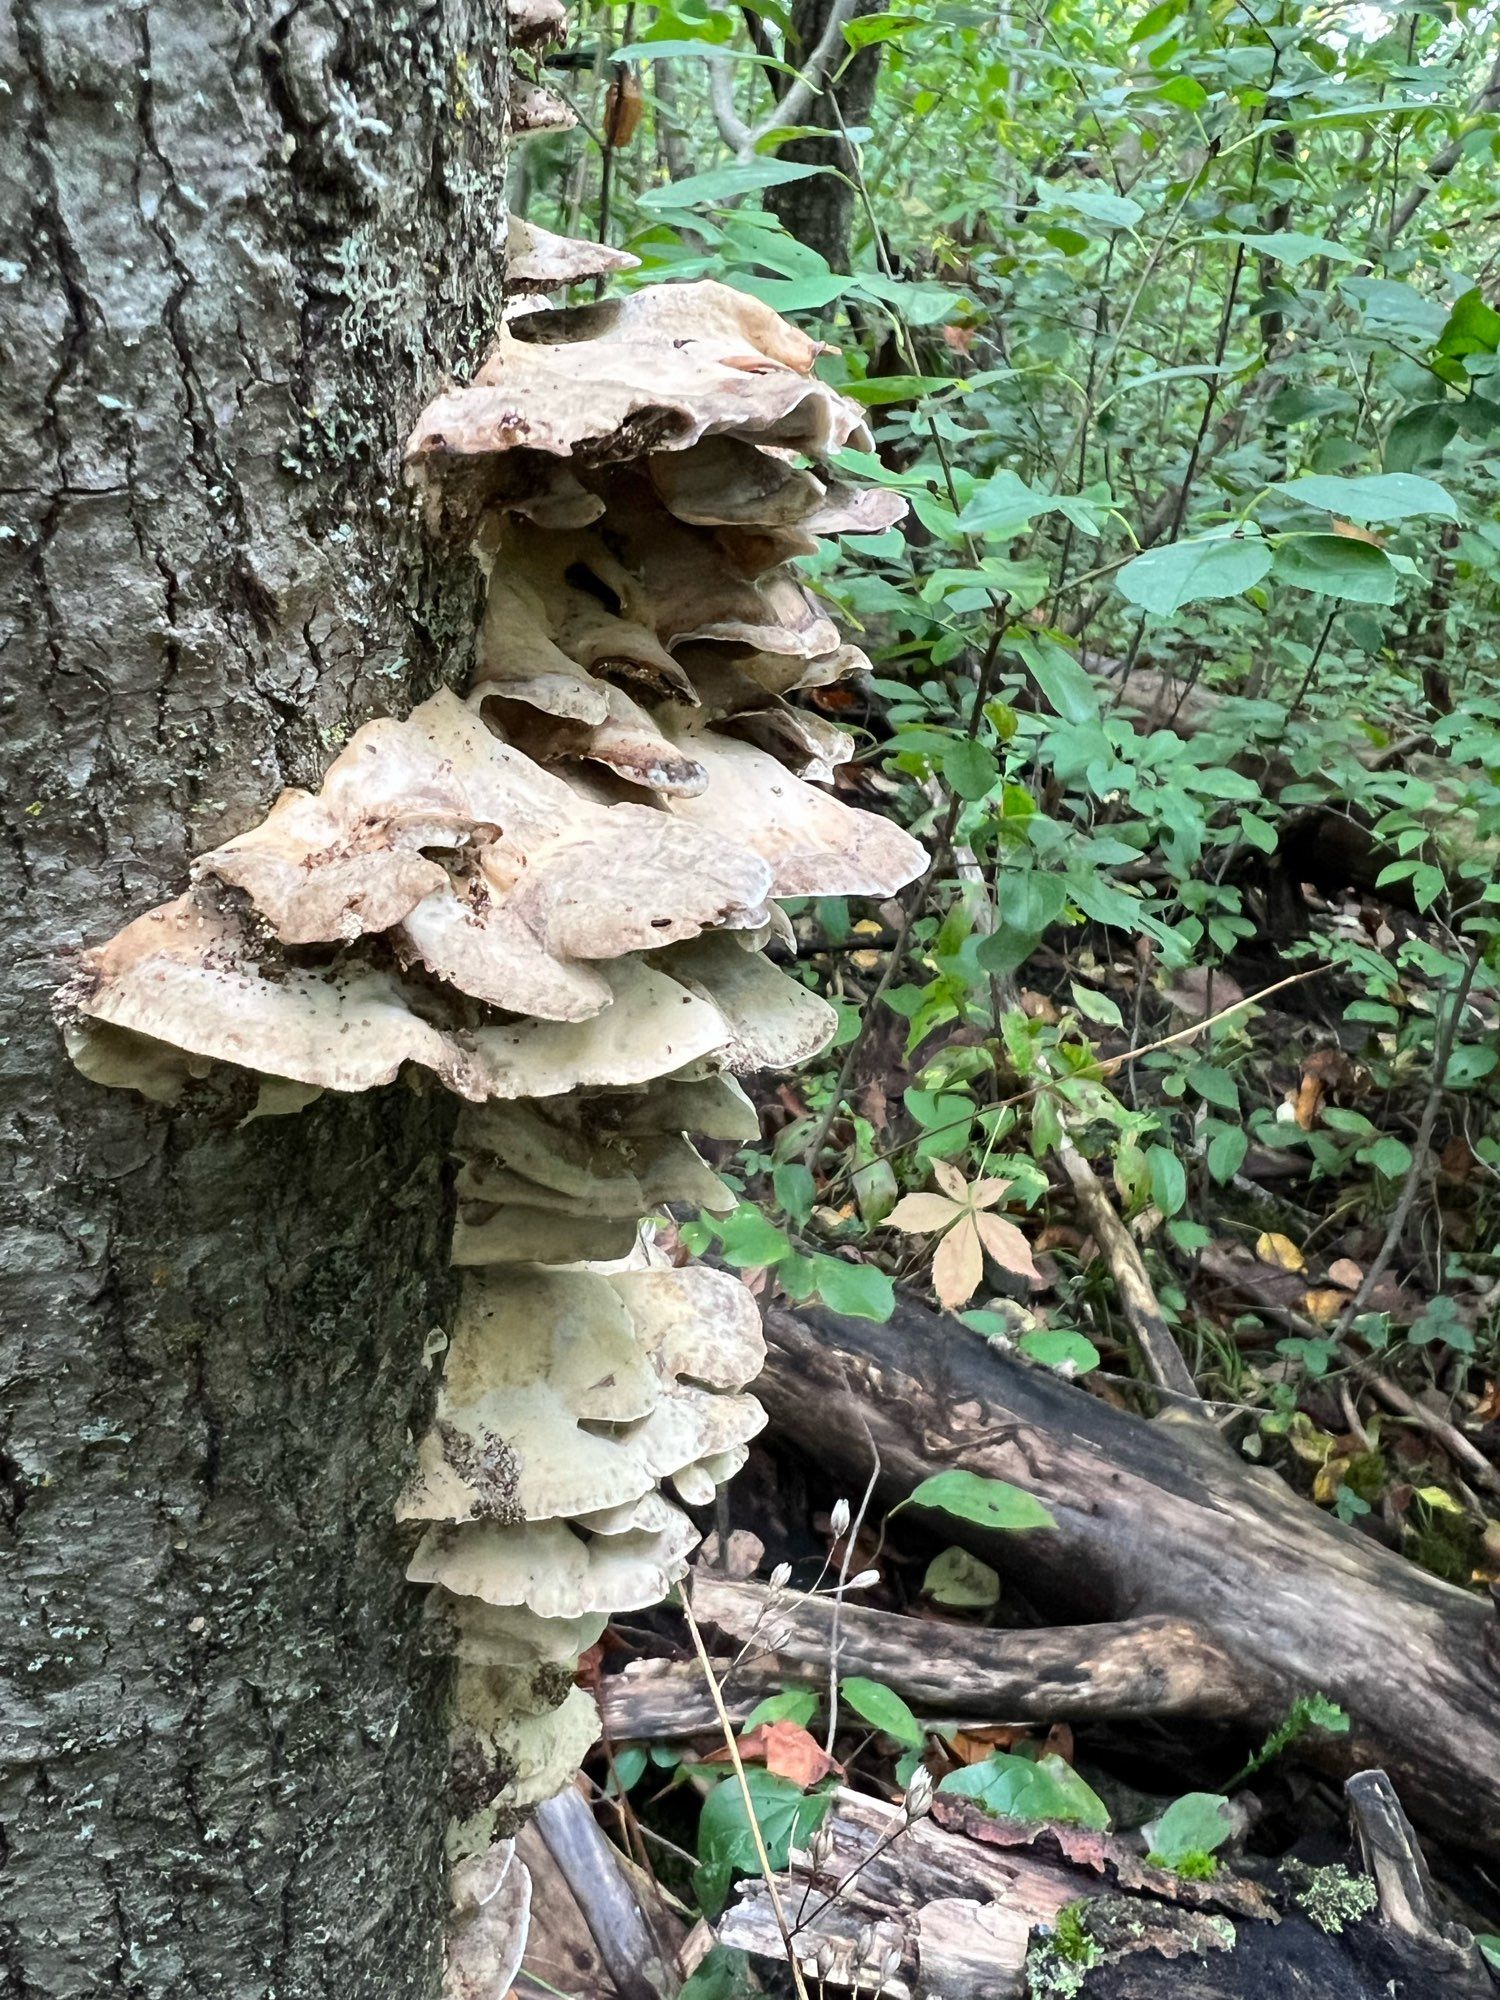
(787,1751)
(972,1746)
(590,1668)
(959,338)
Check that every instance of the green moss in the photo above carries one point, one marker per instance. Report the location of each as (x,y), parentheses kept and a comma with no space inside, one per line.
(1058,1961)
(1198,1866)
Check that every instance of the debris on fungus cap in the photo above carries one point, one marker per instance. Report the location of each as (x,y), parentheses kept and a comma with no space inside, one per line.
(535,256)
(535,111)
(518,1755)
(485,1938)
(544,870)
(194,975)
(563,1396)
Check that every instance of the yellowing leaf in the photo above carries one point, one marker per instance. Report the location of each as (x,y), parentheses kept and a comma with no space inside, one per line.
(1437,1496)
(1006,1245)
(918,1213)
(1279,1250)
(984,1194)
(1326,1305)
(958,1265)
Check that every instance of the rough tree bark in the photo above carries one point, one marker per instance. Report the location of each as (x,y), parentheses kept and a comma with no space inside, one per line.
(820,211)
(244,242)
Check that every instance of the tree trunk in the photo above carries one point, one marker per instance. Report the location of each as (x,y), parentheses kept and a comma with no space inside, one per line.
(245,242)
(819,211)
(1159,1519)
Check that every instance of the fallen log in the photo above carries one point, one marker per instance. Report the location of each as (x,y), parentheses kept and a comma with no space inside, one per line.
(1152,1521)
(878,1903)
(1143,1666)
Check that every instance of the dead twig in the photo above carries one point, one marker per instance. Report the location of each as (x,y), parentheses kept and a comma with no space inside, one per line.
(1138,1300)
(619,1927)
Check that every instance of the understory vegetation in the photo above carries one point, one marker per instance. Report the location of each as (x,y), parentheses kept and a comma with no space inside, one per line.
(1177,329)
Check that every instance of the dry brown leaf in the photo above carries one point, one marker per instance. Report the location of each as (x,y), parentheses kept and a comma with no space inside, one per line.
(1352,532)
(973,1746)
(1324,1305)
(1280,1251)
(958,1264)
(1344,1271)
(787,1751)
(1308,1101)
(1007,1246)
(1487,1410)
(623,107)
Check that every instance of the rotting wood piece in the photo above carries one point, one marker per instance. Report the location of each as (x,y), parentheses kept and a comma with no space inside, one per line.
(1138,1667)
(1151,1522)
(921,1910)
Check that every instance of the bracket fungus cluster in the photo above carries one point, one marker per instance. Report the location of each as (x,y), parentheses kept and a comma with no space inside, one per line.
(554,891)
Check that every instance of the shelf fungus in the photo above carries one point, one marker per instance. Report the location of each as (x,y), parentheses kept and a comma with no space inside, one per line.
(553,892)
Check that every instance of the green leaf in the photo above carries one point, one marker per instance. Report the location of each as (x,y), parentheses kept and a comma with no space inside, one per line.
(626,1767)
(1029,902)
(1226,1152)
(1489,1943)
(749,1240)
(1060,1347)
(1096,1006)
(1185,91)
(1072,692)
(878,28)
(1372,496)
(1163,580)
(1113,211)
(795,1190)
(1389,1156)
(1473,327)
(970,769)
(884,1709)
(1213,1085)
(797,1705)
(1003,505)
(857,1291)
(721,184)
(1420,437)
(1337,566)
(723,1975)
(1290,246)
(961,1581)
(786,1815)
(1197,1823)
(1012,1787)
(1168,1179)
(991,1503)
